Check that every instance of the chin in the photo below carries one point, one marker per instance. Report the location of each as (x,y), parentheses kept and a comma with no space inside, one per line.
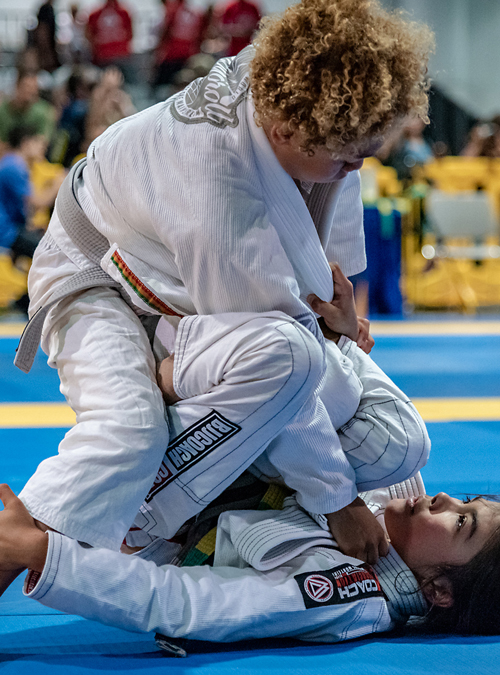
(396,506)
(394,512)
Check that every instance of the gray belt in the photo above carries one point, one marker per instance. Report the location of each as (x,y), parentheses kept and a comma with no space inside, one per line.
(90,242)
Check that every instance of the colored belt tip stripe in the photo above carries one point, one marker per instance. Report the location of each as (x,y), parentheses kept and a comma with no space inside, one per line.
(144,293)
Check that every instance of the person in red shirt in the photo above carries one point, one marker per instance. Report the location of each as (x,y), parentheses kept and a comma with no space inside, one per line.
(239,20)
(109,32)
(180,38)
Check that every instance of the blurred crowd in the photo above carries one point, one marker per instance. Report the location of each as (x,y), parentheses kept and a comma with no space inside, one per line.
(77,75)
(408,149)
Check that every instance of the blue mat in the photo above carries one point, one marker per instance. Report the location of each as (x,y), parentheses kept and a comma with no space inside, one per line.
(42,383)
(464,459)
(441,366)
(23,450)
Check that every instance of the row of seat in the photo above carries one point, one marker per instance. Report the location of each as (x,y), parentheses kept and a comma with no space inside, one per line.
(451,257)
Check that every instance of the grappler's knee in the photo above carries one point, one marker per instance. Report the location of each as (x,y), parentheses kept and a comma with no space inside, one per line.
(282,355)
(262,352)
(295,343)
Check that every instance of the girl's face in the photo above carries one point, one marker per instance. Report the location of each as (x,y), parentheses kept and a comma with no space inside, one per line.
(428,531)
(320,167)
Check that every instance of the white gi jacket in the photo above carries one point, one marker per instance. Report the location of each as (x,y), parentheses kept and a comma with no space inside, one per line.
(276,573)
(202,218)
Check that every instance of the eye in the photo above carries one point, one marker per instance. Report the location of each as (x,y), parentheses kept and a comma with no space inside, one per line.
(461,520)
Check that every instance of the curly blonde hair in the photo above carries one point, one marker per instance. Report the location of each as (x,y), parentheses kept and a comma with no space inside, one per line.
(340,71)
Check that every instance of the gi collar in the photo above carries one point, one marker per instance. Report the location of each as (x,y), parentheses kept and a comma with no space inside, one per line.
(401,588)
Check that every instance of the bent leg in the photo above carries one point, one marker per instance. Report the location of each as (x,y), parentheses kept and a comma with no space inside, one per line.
(386,441)
(93,488)
(242,378)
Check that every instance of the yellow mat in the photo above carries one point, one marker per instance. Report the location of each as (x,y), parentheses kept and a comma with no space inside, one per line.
(39,415)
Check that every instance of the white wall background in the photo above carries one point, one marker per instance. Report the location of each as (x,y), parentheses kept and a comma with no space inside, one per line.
(466,65)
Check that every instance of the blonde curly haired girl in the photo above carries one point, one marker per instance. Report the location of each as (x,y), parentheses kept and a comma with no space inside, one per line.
(339,71)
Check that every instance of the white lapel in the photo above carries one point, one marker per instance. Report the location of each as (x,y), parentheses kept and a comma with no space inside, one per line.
(291,218)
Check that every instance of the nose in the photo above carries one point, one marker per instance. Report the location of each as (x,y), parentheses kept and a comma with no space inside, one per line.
(353,166)
(441,502)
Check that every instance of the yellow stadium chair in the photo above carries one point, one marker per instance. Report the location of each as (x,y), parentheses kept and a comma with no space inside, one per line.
(378,180)
(12,280)
(453,174)
(459,265)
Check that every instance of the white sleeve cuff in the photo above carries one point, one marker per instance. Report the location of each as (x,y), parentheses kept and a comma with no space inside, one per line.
(36,585)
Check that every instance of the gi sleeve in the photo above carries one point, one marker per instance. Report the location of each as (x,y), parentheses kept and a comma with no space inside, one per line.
(220,604)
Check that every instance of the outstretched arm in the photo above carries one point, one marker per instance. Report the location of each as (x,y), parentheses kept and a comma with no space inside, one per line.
(193,602)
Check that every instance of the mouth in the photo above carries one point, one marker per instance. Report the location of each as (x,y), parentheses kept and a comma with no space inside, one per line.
(411,503)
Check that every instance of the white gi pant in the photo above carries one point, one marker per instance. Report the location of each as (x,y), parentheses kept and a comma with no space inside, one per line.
(244,378)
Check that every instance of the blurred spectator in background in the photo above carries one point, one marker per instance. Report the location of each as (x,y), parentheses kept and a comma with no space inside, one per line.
(109,32)
(15,195)
(70,134)
(484,140)
(26,107)
(196,66)
(239,20)
(406,148)
(77,49)
(44,38)
(180,38)
(213,40)
(108,104)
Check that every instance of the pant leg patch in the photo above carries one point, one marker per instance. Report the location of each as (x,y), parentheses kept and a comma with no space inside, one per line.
(187,449)
(339,585)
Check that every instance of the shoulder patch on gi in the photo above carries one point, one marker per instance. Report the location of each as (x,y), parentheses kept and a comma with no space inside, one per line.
(339,585)
(191,446)
(215,98)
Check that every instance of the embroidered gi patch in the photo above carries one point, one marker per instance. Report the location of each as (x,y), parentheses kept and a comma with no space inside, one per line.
(216,97)
(345,583)
(191,446)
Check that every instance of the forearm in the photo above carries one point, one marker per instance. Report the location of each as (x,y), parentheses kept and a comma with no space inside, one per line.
(107,586)
(36,551)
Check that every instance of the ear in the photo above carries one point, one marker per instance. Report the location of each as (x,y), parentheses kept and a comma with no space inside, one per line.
(279,133)
(438,592)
